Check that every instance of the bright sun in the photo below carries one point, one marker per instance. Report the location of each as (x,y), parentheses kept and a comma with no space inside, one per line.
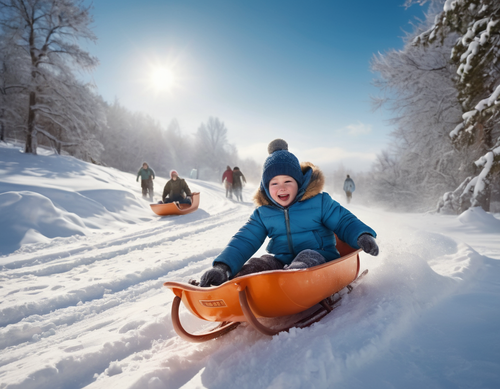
(162,78)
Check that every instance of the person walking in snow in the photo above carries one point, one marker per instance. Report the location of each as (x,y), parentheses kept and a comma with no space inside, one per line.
(147,176)
(349,187)
(228,178)
(300,220)
(237,183)
(176,190)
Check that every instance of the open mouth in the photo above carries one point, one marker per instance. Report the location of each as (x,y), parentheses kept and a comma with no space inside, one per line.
(284,197)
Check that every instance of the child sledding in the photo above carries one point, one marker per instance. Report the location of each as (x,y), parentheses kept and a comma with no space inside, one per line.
(302,223)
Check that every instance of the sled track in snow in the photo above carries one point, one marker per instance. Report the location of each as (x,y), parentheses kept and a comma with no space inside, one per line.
(99,290)
(160,236)
(129,244)
(63,293)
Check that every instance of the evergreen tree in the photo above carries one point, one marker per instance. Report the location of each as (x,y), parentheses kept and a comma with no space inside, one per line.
(476,54)
(417,82)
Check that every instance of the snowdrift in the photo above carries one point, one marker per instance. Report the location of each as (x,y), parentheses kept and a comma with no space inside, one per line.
(48,196)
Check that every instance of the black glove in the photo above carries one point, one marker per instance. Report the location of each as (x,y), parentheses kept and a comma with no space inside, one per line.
(368,244)
(217,275)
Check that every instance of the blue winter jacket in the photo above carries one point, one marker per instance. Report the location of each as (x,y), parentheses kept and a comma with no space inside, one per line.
(309,223)
(349,185)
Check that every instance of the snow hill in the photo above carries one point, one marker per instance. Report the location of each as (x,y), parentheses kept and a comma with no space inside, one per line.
(83,260)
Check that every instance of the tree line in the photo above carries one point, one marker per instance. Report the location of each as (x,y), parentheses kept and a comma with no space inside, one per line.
(131,138)
(42,101)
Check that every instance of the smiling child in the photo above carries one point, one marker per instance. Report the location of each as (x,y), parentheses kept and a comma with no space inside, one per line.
(297,216)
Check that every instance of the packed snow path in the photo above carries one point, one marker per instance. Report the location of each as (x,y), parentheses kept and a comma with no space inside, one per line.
(89,310)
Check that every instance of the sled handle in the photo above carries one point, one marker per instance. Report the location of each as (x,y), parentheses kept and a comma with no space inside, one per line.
(252,320)
(223,328)
(325,308)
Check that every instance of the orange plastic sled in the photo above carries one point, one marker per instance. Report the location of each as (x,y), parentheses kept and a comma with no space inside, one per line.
(174,209)
(267,295)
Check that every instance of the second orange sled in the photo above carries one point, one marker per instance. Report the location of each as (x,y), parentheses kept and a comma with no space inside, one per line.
(177,209)
(267,295)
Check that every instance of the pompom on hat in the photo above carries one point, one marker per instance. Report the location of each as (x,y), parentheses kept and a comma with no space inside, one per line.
(281,162)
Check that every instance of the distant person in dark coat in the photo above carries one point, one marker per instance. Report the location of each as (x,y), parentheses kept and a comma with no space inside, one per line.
(237,183)
(147,176)
(349,187)
(176,190)
(228,177)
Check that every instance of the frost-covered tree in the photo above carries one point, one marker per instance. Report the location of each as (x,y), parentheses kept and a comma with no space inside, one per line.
(250,168)
(476,54)
(47,33)
(212,148)
(12,89)
(178,155)
(131,138)
(419,90)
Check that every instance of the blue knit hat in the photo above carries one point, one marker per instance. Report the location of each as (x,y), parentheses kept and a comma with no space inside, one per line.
(281,162)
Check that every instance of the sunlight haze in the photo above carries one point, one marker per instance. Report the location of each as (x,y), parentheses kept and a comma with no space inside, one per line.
(283,69)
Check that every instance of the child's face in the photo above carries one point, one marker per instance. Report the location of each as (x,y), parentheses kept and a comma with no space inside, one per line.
(283,190)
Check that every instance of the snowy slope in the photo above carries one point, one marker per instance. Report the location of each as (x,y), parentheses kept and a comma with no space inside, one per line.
(82,303)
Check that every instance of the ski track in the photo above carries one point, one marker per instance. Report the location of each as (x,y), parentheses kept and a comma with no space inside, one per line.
(64,316)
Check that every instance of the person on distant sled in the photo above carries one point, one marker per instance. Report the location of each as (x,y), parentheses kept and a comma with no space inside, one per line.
(147,176)
(297,216)
(176,190)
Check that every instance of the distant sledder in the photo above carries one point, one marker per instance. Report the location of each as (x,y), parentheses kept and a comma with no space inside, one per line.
(302,223)
(177,198)
(176,190)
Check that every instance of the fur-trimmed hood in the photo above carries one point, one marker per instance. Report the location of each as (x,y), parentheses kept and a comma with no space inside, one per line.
(314,187)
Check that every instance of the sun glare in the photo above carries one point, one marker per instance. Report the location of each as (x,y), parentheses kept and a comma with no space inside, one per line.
(162,78)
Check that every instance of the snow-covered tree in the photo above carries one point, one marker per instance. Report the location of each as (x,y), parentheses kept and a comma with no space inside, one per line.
(476,54)
(47,33)
(178,155)
(131,138)
(250,168)
(13,91)
(418,85)
(212,148)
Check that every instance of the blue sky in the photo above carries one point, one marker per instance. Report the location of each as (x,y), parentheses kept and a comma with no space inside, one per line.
(297,70)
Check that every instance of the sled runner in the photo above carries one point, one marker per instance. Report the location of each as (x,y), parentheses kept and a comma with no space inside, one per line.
(177,209)
(267,295)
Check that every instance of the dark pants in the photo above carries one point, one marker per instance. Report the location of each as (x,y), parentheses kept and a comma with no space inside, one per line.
(147,185)
(303,260)
(237,192)
(179,199)
(349,196)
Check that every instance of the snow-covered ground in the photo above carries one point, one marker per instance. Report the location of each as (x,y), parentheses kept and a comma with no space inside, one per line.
(83,260)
